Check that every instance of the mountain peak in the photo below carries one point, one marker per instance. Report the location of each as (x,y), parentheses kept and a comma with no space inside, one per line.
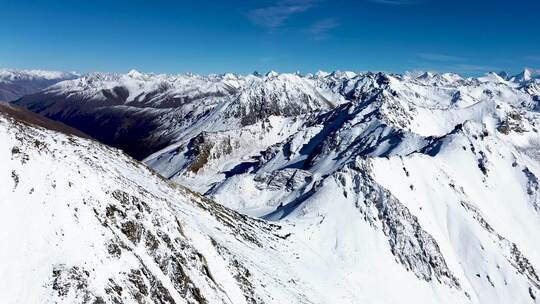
(344,74)
(426,75)
(321,74)
(526,75)
(135,74)
(272,74)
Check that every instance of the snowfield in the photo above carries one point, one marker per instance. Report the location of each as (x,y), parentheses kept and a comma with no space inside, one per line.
(347,188)
(83,223)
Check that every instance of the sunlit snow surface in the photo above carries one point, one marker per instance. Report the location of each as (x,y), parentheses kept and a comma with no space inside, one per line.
(17,83)
(387,188)
(457,154)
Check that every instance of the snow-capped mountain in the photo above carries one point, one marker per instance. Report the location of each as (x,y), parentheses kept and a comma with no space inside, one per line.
(17,83)
(84,223)
(142,113)
(443,168)
(420,187)
(526,75)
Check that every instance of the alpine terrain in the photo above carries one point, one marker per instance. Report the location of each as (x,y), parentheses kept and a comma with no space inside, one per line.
(17,83)
(335,187)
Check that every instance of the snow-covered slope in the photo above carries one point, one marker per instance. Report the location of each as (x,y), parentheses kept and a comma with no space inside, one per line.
(143,113)
(84,223)
(17,83)
(442,168)
(526,75)
(379,115)
(388,188)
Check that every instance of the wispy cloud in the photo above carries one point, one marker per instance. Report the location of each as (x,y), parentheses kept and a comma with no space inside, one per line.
(320,29)
(532,58)
(473,68)
(446,62)
(267,59)
(439,57)
(275,15)
(395,2)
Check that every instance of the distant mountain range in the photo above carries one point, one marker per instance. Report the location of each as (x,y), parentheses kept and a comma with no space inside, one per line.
(17,83)
(358,187)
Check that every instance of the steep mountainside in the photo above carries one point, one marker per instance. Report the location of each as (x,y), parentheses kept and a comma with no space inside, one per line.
(17,83)
(83,223)
(442,168)
(387,188)
(143,113)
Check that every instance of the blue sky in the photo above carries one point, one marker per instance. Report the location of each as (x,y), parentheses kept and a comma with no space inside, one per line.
(211,36)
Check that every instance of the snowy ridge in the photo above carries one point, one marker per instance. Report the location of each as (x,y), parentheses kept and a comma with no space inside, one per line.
(13,75)
(113,231)
(420,187)
(17,83)
(391,119)
(159,110)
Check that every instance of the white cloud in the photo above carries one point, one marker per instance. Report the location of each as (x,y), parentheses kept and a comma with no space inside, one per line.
(532,58)
(276,15)
(321,28)
(438,57)
(394,2)
(474,68)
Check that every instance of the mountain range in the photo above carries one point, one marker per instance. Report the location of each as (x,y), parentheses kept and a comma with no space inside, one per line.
(17,83)
(278,188)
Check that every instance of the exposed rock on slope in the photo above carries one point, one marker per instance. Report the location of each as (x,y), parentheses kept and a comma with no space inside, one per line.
(388,188)
(143,113)
(82,223)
